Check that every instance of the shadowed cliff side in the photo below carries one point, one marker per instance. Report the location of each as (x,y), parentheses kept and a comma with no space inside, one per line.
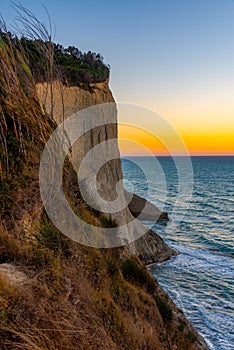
(150,213)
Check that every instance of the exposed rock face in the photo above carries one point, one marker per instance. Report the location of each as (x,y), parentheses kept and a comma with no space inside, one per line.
(13,274)
(151,248)
(103,131)
(151,212)
(68,100)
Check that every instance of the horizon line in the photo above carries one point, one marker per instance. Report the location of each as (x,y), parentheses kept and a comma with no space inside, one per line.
(182,155)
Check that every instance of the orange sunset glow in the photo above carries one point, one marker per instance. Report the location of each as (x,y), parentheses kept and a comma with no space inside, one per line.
(135,141)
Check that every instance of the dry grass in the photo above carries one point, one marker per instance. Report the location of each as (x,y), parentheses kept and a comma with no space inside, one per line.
(18,96)
(77,300)
(22,116)
(75,297)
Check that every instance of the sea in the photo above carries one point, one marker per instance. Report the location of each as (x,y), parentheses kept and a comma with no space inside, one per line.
(198,194)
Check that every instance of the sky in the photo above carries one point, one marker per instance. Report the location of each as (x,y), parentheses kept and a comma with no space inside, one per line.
(173,57)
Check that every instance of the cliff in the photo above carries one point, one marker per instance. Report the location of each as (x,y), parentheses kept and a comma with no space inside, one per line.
(64,102)
(150,213)
(150,247)
(55,293)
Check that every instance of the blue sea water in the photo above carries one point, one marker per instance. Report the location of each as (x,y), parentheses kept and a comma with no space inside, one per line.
(200,279)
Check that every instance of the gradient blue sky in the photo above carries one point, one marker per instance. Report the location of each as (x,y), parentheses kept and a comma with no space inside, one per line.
(176,57)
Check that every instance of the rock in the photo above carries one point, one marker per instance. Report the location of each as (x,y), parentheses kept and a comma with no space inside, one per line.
(142,209)
(151,249)
(13,274)
(68,100)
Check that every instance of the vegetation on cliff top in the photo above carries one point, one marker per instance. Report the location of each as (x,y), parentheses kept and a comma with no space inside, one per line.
(74,66)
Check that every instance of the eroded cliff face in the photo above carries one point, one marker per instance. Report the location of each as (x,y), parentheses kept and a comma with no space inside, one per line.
(99,129)
(68,100)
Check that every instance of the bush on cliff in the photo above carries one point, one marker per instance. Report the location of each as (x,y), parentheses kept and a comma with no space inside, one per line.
(70,65)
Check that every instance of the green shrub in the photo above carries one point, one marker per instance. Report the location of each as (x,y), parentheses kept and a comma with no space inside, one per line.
(181,325)
(112,267)
(164,308)
(190,336)
(9,250)
(76,67)
(107,222)
(50,237)
(133,271)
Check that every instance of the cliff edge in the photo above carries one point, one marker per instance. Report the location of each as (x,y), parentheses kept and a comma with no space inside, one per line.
(63,102)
